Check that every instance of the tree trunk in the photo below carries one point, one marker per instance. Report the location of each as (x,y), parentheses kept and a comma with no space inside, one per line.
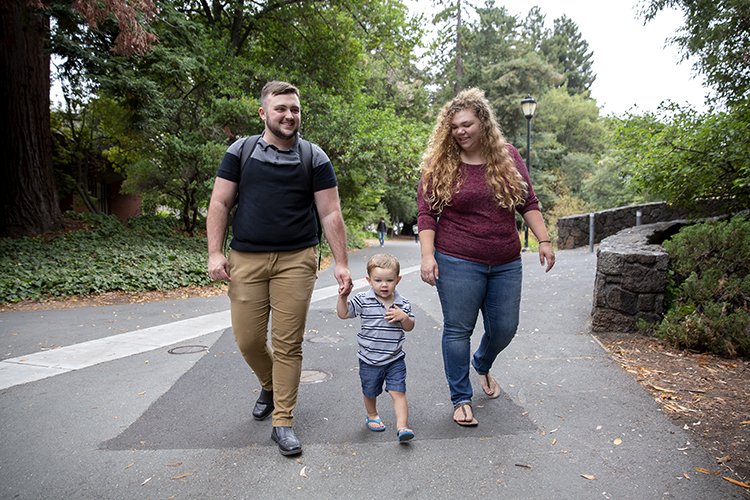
(29,205)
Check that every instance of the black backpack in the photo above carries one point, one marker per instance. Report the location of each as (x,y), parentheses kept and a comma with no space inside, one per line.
(246,149)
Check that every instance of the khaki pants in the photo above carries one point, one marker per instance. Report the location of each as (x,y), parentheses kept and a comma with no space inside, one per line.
(279,283)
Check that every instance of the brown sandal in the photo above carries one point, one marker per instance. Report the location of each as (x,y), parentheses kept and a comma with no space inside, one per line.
(488,382)
(465,423)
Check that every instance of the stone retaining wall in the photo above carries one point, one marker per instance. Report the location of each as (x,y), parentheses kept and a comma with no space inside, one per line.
(631,277)
(573,231)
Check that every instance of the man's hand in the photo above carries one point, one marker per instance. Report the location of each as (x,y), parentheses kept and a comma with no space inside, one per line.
(218,268)
(344,279)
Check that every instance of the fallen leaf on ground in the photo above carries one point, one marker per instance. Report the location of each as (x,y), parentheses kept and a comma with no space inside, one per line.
(554,441)
(722,460)
(524,466)
(686,476)
(144,482)
(184,475)
(588,476)
(618,441)
(737,482)
(129,466)
(175,464)
(302,472)
(703,470)
(656,387)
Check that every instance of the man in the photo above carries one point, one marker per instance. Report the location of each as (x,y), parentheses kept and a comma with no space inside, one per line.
(382,229)
(273,263)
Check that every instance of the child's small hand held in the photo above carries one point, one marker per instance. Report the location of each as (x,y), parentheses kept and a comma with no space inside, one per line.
(345,290)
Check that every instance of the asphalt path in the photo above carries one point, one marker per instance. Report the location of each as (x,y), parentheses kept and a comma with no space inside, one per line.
(154,401)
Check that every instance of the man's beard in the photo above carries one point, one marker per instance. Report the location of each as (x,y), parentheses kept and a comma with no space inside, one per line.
(278,132)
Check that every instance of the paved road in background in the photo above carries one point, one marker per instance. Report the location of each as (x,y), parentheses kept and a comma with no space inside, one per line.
(154,401)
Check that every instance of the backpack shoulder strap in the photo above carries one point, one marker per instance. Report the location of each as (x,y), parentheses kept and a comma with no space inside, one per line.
(305,156)
(246,150)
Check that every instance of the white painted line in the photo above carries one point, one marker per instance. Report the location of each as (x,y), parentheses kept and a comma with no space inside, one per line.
(14,374)
(43,364)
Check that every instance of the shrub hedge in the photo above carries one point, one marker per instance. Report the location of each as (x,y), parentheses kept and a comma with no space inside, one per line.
(709,290)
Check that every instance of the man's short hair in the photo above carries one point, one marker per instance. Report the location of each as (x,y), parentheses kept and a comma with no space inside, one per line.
(276,88)
(383,261)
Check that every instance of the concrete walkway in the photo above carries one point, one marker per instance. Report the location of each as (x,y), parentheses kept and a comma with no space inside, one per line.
(153,401)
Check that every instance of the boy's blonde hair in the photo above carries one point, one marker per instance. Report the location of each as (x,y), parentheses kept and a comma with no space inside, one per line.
(383,261)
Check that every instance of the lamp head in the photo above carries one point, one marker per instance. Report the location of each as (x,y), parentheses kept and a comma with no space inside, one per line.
(528,105)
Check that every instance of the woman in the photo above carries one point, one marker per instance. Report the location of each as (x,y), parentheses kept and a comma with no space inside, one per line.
(472,184)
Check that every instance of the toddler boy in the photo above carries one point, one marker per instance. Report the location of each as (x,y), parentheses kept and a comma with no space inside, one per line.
(385,316)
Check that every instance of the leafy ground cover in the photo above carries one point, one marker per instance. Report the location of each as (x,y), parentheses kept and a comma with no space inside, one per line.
(98,254)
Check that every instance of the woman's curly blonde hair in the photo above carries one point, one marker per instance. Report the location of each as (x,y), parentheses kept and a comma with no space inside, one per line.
(442,159)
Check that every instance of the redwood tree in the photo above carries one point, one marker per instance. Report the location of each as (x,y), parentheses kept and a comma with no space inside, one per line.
(29,198)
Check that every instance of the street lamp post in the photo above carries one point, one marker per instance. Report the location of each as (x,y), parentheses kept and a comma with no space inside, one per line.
(528,105)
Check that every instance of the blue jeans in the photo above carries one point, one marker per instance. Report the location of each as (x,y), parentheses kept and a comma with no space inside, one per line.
(381,237)
(465,288)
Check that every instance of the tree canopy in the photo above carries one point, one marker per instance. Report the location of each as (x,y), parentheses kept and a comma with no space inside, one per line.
(158,91)
(683,155)
(717,35)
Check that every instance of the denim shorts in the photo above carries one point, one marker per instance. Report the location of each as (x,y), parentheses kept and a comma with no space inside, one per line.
(372,377)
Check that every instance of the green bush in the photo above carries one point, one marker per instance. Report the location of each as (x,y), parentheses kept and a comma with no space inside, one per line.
(146,255)
(709,289)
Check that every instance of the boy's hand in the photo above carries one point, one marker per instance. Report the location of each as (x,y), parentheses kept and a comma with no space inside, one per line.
(394,314)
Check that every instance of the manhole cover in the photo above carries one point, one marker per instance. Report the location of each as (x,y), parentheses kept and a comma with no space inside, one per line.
(314,376)
(324,339)
(188,349)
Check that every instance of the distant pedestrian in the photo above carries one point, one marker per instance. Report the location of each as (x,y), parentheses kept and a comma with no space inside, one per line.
(473,183)
(382,229)
(386,315)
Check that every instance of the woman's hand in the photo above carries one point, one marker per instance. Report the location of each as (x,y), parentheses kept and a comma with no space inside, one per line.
(546,253)
(429,269)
